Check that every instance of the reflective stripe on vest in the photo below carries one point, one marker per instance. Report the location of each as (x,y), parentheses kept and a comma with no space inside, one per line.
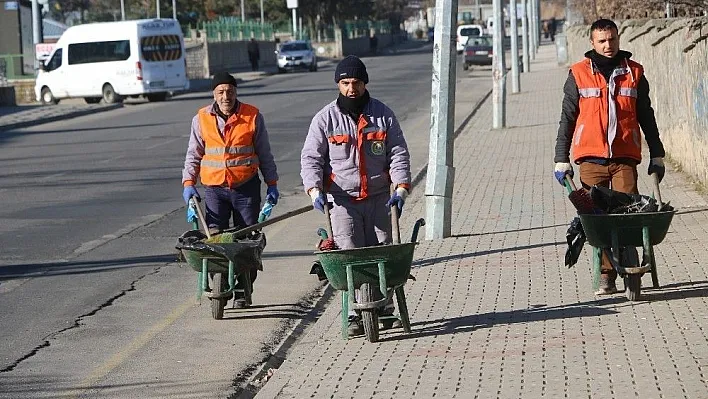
(229,159)
(607,125)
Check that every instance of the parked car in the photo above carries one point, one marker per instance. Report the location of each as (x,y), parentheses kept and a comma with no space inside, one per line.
(466,31)
(478,51)
(111,60)
(296,54)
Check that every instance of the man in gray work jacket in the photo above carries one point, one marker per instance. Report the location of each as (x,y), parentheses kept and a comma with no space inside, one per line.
(354,150)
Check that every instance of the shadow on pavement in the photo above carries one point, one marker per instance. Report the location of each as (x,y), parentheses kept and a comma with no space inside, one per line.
(470,323)
(70,268)
(432,261)
(508,231)
(5,111)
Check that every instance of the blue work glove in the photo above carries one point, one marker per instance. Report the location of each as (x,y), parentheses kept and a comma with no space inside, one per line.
(272,194)
(191,215)
(656,165)
(398,198)
(189,192)
(318,199)
(562,169)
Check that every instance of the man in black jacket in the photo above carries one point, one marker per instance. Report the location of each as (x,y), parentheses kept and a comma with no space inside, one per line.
(606,101)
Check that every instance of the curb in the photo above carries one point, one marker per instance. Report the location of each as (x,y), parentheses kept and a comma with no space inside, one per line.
(54,118)
(274,386)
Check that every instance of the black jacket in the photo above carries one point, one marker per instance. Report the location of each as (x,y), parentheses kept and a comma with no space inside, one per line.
(570,110)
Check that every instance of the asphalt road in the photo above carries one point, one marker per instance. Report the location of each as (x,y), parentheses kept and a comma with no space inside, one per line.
(94,302)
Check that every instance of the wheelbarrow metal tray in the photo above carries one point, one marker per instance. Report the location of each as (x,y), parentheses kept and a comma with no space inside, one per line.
(598,228)
(245,253)
(398,259)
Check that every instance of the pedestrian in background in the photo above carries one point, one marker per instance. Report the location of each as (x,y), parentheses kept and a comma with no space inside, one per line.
(254,54)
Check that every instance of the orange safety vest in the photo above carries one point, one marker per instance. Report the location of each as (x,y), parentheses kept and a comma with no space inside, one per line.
(230,160)
(607,125)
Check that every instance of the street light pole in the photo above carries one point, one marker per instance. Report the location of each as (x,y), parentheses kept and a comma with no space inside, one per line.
(515,78)
(174,9)
(498,68)
(158,8)
(262,20)
(525,37)
(441,172)
(122,10)
(243,12)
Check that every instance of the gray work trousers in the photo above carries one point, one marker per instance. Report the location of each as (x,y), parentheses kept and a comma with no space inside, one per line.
(365,223)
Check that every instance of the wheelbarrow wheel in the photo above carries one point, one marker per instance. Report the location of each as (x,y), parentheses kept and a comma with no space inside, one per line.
(369,317)
(633,286)
(218,304)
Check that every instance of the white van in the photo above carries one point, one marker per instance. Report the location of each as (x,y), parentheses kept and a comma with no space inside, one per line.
(112,60)
(466,31)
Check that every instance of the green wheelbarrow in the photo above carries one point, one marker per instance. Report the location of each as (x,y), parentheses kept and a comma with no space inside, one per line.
(220,261)
(613,233)
(385,268)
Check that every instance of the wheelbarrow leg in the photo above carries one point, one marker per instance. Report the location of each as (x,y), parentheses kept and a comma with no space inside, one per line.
(649,253)
(596,266)
(345,315)
(403,310)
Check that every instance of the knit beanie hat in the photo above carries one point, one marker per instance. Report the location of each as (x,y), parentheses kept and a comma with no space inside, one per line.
(351,67)
(221,78)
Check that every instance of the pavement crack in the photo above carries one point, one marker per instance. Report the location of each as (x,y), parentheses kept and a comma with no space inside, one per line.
(46,342)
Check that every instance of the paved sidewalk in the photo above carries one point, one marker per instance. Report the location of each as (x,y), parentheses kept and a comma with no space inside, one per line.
(494,311)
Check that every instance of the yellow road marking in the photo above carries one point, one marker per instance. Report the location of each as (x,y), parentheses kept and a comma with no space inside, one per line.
(123,354)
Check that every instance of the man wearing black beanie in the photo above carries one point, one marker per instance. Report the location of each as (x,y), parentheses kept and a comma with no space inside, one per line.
(353,152)
(228,144)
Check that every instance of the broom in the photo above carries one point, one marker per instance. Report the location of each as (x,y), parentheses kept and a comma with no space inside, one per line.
(580,199)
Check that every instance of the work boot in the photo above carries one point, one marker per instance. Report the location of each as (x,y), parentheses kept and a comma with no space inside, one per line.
(355,326)
(607,283)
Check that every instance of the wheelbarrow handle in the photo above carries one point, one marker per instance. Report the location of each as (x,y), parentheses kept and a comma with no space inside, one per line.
(395,229)
(569,184)
(657,192)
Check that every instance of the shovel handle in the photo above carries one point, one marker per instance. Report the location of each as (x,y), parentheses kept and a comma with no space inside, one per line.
(329,220)
(657,192)
(200,214)
(569,184)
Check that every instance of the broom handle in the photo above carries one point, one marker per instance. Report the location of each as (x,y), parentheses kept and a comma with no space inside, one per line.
(200,213)
(330,233)
(395,230)
(657,192)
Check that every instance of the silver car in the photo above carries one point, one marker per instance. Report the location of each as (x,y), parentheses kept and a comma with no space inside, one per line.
(296,54)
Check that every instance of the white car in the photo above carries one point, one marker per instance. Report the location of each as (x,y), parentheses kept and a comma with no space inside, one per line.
(464,32)
(296,54)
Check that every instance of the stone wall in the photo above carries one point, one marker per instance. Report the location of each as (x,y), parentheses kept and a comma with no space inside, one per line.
(205,58)
(674,53)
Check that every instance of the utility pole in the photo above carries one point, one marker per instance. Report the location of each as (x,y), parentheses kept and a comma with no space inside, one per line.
(441,172)
(515,78)
(525,37)
(498,68)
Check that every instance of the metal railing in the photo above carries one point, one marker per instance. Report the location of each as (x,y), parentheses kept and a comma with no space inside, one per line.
(229,28)
(16,66)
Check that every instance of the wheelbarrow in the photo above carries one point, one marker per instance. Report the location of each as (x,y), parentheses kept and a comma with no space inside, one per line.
(385,268)
(222,260)
(611,233)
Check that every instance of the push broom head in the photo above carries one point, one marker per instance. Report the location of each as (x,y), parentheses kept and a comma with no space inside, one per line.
(582,201)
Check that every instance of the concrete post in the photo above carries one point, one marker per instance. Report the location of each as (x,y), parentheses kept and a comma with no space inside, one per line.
(515,78)
(441,172)
(498,68)
(525,37)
